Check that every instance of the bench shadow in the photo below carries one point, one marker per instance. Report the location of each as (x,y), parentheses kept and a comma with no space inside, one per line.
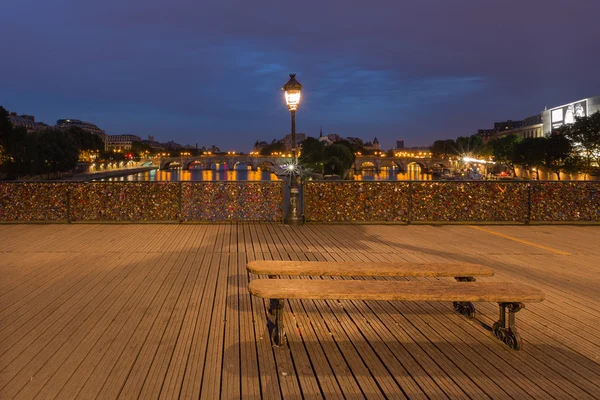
(422,353)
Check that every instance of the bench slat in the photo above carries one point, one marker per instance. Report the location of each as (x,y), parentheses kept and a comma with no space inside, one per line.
(319,268)
(394,290)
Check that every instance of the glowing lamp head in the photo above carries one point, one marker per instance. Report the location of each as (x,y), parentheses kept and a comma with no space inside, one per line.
(292,89)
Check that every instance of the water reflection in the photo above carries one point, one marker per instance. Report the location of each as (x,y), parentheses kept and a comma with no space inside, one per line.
(385,174)
(198,175)
(413,173)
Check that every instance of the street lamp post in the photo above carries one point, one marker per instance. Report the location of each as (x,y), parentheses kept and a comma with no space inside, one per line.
(292,89)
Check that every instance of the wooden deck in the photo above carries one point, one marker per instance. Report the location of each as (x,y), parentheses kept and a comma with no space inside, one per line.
(147,311)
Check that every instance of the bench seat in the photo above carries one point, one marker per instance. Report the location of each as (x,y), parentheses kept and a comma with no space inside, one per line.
(325,268)
(510,297)
(319,289)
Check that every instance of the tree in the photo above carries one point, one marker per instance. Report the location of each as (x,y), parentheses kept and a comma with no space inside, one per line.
(334,159)
(504,150)
(84,140)
(338,159)
(469,146)
(559,154)
(274,147)
(585,137)
(313,154)
(443,148)
(139,148)
(13,147)
(114,156)
(531,152)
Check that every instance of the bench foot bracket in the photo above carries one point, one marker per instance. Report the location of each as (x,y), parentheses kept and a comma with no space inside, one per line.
(276,329)
(508,334)
(464,307)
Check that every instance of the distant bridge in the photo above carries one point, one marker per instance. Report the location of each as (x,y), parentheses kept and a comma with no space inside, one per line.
(398,163)
(230,162)
(271,163)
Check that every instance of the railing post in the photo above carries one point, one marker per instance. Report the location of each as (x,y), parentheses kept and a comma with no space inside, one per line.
(284,203)
(410,193)
(68,203)
(303,202)
(179,205)
(528,203)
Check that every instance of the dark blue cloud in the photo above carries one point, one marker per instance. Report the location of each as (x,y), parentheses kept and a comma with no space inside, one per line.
(210,72)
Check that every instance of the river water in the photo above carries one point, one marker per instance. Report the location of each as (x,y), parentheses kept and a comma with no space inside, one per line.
(247,175)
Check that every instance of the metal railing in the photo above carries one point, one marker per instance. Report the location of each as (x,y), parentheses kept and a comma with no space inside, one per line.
(141,201)
(323,201)
(452,201)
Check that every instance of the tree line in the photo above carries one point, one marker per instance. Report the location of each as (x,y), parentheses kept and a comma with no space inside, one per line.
(570,148)
(49,152)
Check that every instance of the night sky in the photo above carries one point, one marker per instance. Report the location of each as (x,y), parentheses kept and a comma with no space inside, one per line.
(210,72)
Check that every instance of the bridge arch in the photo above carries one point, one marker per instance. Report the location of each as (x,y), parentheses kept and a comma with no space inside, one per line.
(242,166)
(195,164)
(421,165)
(367,164)
(267,165)
(393,164)
(169,164)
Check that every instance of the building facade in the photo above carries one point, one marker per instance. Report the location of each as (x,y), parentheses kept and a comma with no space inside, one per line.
(27,122)
(374,145)
(543,124)
(287,141)
(122,143)
(555,117)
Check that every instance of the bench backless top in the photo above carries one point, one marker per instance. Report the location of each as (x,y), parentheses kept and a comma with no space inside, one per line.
(318,268)
(321,289)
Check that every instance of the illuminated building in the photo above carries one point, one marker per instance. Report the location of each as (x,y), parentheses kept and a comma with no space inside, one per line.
(555,117)
(372,145)
(543,124)
(122,142)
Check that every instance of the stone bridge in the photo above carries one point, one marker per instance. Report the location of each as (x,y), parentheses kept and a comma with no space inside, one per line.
(230,162)
(398,163)
(271,163)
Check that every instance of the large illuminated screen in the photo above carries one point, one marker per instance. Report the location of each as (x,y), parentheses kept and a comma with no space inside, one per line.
(566,114)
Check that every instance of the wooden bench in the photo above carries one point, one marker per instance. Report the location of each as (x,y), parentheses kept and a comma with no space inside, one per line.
(509,296)
(462,272)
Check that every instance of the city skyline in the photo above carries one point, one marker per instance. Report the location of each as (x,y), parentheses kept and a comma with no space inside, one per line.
(212,74)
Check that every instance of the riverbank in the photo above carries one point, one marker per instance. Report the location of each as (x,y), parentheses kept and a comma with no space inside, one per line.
(89,176)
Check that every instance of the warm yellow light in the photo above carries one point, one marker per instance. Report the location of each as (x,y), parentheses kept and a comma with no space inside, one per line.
(292,98)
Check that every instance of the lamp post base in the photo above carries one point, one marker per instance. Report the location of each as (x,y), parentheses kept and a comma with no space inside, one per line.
(294,220)
(293,217)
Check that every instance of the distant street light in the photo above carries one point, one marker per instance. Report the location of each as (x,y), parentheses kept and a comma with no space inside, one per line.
(293,89)
(182,154)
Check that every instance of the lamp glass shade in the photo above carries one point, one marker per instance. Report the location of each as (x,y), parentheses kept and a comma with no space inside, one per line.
(292,98)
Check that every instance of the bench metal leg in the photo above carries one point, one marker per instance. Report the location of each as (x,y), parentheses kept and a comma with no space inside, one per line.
(508,334)
(272,307)
(277,331)
(272,302)
(464,307)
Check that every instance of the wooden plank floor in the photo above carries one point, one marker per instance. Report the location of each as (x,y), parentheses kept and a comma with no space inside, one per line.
(148,311)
